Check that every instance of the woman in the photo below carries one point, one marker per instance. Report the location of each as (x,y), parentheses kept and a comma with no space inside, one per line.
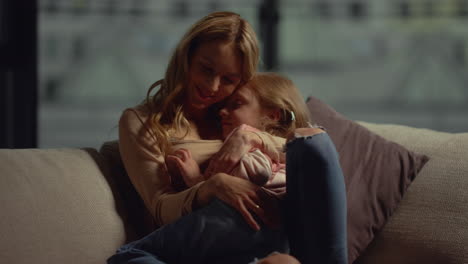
(205,223)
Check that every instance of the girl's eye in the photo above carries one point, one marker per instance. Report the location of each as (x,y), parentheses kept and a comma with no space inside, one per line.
(227,80)
(234,104)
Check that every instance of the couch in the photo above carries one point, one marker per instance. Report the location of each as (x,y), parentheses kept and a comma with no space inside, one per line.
(76,205)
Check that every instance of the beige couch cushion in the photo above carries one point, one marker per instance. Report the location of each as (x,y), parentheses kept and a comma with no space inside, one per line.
(57,207)
(431,223)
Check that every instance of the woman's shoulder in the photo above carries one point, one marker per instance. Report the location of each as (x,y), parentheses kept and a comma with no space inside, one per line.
(140,110)
(135,116)
(136,131)
(135,122)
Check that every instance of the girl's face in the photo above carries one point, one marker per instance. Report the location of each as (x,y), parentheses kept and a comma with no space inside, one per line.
(214,73)
(243,107)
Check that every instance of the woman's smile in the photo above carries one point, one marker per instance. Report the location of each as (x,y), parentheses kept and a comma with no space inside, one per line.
(202,95)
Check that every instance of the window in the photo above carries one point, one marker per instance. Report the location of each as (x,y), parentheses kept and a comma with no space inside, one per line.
(99,57)
(397,61)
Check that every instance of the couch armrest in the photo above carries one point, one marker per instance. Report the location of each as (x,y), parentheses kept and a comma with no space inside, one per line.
(57,207)
(431,223)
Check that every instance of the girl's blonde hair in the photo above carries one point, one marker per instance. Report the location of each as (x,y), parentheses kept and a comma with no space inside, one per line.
(276,92)
(166,106)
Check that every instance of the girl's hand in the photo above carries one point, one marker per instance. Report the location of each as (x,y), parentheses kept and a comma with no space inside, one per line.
(304,132)
(278,258)
(234,147)
(182,161)
(236,192)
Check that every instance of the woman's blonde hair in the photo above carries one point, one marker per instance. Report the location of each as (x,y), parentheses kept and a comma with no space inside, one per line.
(166,106)
(276,92)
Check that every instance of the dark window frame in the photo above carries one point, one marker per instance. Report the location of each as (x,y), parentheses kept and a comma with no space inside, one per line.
(18,74)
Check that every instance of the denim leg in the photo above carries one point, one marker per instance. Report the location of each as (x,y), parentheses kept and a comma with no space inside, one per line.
(315,201)
(133,255)
(216,233)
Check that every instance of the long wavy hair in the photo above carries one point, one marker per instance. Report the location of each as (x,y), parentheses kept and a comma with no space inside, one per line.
(166,105)
(277,92)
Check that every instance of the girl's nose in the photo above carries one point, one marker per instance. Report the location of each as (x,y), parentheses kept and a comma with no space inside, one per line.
(223,112)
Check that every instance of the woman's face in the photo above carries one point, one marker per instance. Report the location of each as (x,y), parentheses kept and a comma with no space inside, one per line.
(243,107)
(214,73)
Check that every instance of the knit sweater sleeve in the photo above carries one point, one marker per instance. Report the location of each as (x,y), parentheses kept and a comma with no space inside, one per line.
(146,169)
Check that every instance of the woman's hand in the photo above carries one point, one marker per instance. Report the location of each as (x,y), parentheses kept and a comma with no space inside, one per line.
(181,164)
(234,147)
(236,192)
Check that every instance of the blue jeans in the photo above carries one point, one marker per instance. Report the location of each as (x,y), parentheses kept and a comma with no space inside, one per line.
(314,212)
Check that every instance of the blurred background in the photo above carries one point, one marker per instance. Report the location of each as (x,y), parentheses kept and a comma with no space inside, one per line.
(384,61)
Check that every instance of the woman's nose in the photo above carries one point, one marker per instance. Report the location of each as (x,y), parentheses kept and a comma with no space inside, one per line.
(213,85)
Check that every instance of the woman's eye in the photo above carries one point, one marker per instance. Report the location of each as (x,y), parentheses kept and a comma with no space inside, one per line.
(206,69)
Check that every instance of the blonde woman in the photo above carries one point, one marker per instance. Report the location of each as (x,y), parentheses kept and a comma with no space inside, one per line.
(218,220)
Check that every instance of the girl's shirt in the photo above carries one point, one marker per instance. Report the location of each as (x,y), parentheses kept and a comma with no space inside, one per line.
(259,168)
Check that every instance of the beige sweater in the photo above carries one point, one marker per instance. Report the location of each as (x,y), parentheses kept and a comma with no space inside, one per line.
(147,171)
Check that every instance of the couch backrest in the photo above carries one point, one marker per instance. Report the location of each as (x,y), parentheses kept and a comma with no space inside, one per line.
(431,223)
(138,221)
(78,206)
(57,206)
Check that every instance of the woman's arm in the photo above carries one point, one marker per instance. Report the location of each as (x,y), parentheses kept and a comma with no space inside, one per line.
(146,169)
(239,193)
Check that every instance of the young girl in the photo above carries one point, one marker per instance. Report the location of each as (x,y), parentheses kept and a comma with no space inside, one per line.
(269,102)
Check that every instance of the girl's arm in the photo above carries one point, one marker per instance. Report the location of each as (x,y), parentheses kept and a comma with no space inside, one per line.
(181,165)
(241,141)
